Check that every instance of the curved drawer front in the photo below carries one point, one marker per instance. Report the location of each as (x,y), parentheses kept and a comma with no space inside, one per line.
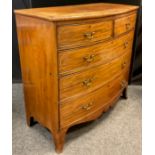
(71,61)
(80,83)
(74,35)
(78,109)
(124,24)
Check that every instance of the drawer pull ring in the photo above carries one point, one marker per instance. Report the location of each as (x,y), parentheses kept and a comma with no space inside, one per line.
(89,35)
(89,58)
(123,84)
(87,106)
(87,82)
(123,65)
(127,26)
(125,44)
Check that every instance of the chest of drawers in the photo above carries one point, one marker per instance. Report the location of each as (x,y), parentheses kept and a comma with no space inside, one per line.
(75,62)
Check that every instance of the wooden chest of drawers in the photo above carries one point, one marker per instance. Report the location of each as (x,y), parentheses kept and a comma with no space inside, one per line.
(75,62)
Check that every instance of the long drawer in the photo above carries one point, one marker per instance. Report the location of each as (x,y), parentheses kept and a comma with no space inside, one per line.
(80,108)
(75,60)
(84,82)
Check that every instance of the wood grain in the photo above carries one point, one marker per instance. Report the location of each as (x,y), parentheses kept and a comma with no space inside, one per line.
(39,70)
(71,61)
(125,24)
(74,110)
(75,62)
(71,36)
(75,12)
(75,85)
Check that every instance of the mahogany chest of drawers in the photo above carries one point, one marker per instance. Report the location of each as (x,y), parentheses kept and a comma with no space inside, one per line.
(75,62)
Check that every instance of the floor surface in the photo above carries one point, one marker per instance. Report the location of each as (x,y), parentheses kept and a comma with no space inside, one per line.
(117,132)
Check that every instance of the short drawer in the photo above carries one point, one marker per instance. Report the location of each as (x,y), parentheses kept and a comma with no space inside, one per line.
(80,108)
(75,60)
(75,35)
(81,83)
(124,24)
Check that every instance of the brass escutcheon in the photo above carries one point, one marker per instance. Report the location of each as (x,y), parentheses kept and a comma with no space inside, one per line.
(87,106)
(89,58)
(89,35)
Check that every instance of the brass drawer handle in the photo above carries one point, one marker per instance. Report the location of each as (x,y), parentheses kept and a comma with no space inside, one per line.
(123,65)
(89,35)
(87,82)
(123,84)
(89,58)
(127,26)
(87,106)
(125,44)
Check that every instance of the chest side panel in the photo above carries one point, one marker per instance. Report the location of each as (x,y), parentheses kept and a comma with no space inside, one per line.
(38,57)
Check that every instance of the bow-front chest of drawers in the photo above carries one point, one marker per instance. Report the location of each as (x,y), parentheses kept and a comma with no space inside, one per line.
(75,62)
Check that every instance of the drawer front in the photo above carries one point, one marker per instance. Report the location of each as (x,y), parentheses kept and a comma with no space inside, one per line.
(80,108)
(71,61)
(124,24)
(84,82)
(75,35)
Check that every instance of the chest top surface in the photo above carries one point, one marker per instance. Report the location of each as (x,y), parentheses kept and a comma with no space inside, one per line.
(73,12)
